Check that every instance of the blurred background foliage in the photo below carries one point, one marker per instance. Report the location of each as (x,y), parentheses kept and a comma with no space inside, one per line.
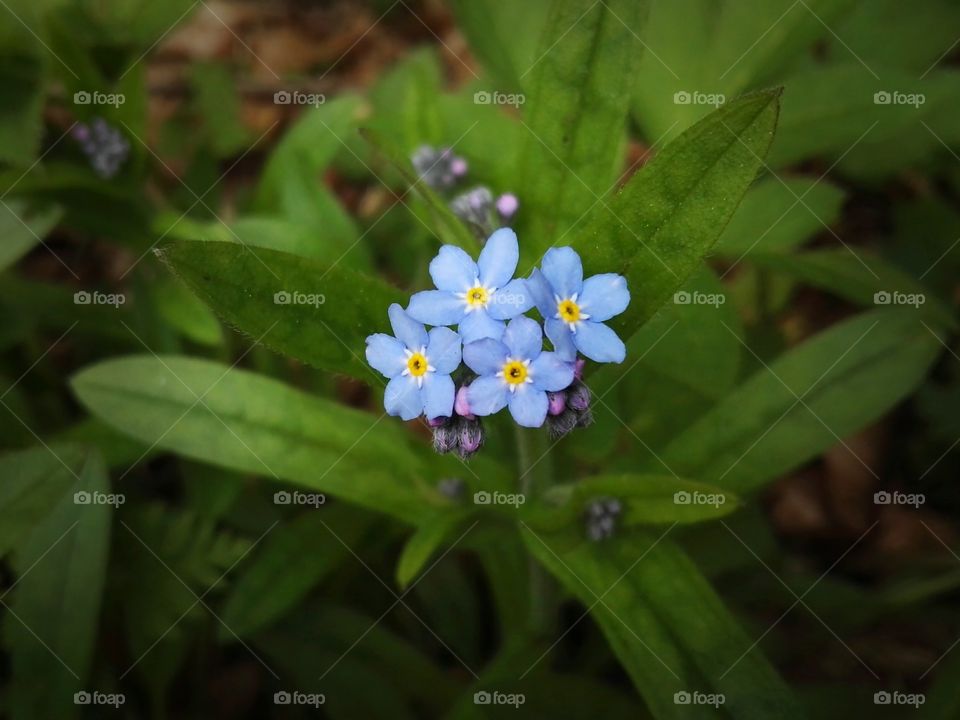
(201,595)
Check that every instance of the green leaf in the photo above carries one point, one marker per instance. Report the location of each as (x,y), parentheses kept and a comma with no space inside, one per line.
(181,308)
(35,480)
(778,215)
(242,283)
(22,228)
(579,96)
(657,229)
(218,105)
(51,642)
(293,559)
(253,424)
(422,545)
(666,624)
(646,500)
(845,378)
(860,277)
(21,105)
(505,38)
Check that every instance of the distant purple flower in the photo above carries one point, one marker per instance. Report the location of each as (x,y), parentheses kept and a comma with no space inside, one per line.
(515,373)
(574,309)
(418,365)
(105,147)
(507,205)
(438,168)
(475,296)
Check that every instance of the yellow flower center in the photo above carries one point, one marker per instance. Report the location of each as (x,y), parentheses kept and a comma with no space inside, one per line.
(417,364)
(569,311)
(478,296)
(515,372)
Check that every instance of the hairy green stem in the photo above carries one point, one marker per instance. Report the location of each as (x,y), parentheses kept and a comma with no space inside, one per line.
(534,464)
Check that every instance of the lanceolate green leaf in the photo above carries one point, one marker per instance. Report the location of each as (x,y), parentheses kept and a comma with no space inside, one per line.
(657,229)
(294,558)
(21,229)
(646,500)
(808,400)
(318,313)
(247,422)
(665,623)
(422,545)
(576,110)
(51,640)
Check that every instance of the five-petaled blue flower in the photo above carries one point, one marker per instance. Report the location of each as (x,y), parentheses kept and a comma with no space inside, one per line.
(477,296)
(515,372)
(574,309)
(418,365)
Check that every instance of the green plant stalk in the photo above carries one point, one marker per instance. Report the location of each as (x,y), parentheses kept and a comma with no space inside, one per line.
(534,463)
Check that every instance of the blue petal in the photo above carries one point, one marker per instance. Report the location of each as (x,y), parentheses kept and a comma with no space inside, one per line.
(529,406)
(604,296)
(453,270)
(523,338)
(511,300)
(408,331)
(562,268)
(498,259)
(599,343)
(443,350)
(562,339)
(542,294)
(478,325)
(385,354)
(487,395)
(437,395)
(436,307)
(402,397)
(485,357)
(551,372)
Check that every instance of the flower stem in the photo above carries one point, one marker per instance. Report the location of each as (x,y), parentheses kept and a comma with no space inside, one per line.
(534,461)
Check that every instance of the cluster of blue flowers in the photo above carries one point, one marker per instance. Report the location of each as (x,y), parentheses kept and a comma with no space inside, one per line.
(502,348)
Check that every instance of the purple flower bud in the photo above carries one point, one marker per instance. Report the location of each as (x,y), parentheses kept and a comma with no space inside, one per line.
(556,402)
(438,421)
(578,368)
(560,425)
(578,396)
(445,438)
(507,205)
(601,517)
(461,405)
(471,437)
(459,167)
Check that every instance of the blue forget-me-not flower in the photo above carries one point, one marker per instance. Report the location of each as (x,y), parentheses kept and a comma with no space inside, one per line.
(574,309)
(418,364)
(475,296)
